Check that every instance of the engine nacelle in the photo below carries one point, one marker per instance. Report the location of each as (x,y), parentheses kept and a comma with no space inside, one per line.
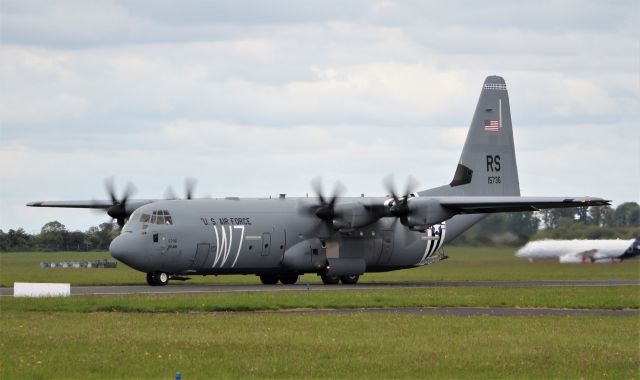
(353,215)
(425,212)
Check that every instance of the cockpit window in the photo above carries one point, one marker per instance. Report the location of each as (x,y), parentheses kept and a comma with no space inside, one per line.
(144,219)
(157,217)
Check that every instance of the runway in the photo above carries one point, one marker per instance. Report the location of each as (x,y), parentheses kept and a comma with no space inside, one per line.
(229,288)
(451,311)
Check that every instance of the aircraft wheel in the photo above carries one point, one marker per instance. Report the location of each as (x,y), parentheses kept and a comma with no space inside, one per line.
(350,279)
(150,279)
(289,278)
(161,278)
(269,279)
(329,280)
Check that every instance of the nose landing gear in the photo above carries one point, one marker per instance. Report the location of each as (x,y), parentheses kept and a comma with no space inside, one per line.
(157,279)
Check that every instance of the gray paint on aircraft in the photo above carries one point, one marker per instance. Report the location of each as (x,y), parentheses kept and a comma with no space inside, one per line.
(331,236)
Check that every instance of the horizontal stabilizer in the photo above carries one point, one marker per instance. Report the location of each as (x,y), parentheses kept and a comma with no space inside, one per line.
(481,205)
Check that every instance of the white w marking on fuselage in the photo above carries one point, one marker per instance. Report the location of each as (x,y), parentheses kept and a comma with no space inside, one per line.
(224,244)
(239,245)
(227,249)
(217,247)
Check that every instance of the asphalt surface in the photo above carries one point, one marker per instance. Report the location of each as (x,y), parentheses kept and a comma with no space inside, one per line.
(228,288)
(453,311)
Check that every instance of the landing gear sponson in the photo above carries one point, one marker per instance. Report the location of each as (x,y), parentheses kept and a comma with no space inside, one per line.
(162,279)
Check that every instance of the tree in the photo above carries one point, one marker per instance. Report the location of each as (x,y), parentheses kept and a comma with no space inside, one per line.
(523,224)
(18,240)
(4,241)
(75,241)
(627,215)
(583,214)
(596,216)
(52,236)
(54,226)
(553,217)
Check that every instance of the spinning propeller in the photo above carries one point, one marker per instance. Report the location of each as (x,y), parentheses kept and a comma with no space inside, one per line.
(118,209)
(325,208)
(400,205)
(189,187)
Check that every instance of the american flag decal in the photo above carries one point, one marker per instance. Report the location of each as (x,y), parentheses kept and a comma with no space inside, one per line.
(491,125)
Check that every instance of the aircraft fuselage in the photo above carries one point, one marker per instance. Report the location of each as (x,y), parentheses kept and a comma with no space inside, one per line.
(257,236)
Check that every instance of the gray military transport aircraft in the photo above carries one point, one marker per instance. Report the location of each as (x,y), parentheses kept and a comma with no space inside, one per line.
(339,238)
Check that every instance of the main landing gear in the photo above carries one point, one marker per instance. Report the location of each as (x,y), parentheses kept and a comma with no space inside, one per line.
(285,278)
(157,279)
(334,280)
(292,278)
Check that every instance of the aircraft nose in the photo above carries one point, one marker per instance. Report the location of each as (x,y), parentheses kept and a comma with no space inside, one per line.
(121,248)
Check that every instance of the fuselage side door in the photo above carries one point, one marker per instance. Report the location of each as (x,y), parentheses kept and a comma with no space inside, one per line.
(202,253)
(266,244)
(387,247)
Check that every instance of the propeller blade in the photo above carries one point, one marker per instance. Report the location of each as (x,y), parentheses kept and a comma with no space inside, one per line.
(400,206)
(338,190)
(412,185)
(389,186)
(316,186)
(170,194)
(118,208)
(108,184)
(189,186)
(324,209)
(128,192)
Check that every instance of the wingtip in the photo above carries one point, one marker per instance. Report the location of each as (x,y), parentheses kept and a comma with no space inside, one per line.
(34,204)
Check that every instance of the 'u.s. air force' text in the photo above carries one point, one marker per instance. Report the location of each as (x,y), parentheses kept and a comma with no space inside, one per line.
(226,221)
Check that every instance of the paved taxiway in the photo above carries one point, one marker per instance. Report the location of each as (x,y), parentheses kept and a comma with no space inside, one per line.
(228,288)
(455,311)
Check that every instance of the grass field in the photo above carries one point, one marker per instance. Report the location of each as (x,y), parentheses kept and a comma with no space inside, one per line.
(153,336)
(222,345)
(464,264)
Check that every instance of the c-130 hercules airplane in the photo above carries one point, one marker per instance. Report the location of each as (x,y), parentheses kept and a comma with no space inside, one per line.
(339,238)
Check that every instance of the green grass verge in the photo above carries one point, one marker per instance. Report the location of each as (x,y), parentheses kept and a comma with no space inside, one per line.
(465,264)
(625,297)
(219,345)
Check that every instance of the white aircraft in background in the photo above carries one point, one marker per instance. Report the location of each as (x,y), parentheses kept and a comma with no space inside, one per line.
(581,251)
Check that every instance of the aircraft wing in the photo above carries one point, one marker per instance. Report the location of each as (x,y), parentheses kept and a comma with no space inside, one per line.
(94,204)
(481,205)
(73,204)
(579,257)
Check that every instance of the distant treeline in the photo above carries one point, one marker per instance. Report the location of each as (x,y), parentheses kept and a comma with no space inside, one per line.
(54,237)
(508,229)
(516,229)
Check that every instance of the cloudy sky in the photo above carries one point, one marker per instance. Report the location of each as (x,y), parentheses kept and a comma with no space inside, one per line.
(257,98)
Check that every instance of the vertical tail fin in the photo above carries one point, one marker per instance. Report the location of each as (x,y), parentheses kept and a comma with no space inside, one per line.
(487,165)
